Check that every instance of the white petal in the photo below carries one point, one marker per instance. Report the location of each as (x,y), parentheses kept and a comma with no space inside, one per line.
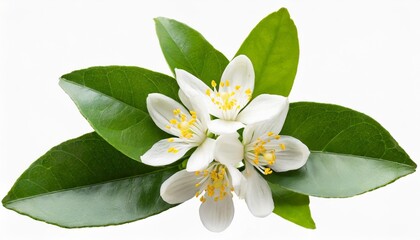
(161,109)
(191,86)
(258,194)
(160,153)
(217,216)
(202,156)
(229,150)
(239,72)
(238,181)
(200,108)
(220,126)
(184,99)
(262,108)
(179,187)
(274,125)
(293,157)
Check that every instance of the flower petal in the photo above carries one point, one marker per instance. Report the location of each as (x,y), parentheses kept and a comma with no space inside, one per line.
(258,194)
(238,181)
(240,75)
(202,156)
(220,126)
(229,150)
(199,107)
(191,86)
(274,125)
(161,109)
(166,151)
(262,108)
(179,187)
(292,157)
(184,99)
(216,216)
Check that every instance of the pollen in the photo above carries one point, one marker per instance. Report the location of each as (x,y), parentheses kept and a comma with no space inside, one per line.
(270,134)
(171,140)
(237,87)
(227,83)
(215,182)
(183,123)
(172,150)
(208,92)
(282,146)
(248,92)
(268,171)
(213,83)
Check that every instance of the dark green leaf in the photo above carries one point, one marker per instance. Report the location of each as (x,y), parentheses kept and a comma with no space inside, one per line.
(350,152)
(86,182)
(292,206)
(273,48)
(187,49)
(113,100)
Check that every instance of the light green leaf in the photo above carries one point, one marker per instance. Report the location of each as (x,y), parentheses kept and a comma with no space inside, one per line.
(185,48)
(273,48)
(292,206)
(85,182)
(350,152)
(113,100)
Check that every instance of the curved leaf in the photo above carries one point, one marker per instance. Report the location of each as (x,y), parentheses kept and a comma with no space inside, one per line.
(113,100)
(185,48)
(292,206)
(350,152)
(273,48)
(85,182)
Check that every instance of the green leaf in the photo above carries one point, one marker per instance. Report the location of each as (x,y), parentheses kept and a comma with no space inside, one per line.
(273,48)
(113,100)
(185,48)
(350,152)
(292,206)
(86,182)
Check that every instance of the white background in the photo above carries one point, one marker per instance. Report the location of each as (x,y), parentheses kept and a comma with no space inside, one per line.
(361,54)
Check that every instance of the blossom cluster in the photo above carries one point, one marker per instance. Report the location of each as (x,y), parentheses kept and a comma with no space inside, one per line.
(226,130)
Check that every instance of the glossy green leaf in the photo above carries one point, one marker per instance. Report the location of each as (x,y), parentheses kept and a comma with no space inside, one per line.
(185,48)
(113,100)
(292,206)
(350,152)
(273,48)
(86,182)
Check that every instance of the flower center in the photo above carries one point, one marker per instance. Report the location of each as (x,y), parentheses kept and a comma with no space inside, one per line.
(215,183)
(264,156)
(226,100)
(183,123)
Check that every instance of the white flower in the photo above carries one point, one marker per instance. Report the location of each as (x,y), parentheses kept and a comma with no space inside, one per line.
(213,186)
(228,101)
(189,127)
(266,151)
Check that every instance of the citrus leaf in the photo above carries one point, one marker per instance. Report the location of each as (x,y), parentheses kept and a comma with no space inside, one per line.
(273,48)
(292,206)
(113,100)
(85,182)
(185,48)
(350,152)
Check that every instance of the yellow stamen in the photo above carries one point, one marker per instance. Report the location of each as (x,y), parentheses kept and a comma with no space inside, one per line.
(227,83)
(208,92)
(171,140)
(282,146)
(237,87)
(268,171)
(248,91)
(213,83)
(173,150)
